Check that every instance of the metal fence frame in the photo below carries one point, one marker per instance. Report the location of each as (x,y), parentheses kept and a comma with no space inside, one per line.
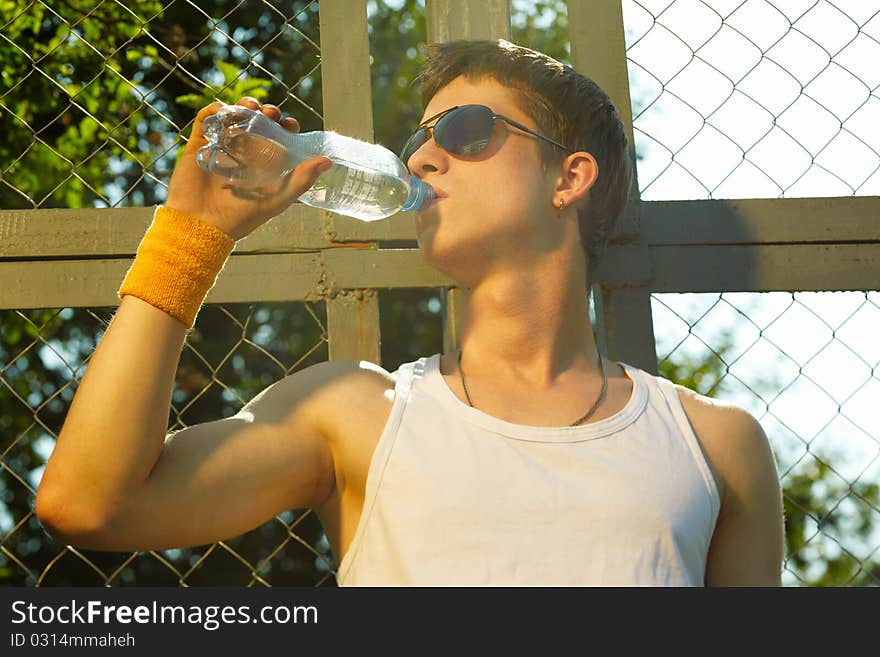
(76,258)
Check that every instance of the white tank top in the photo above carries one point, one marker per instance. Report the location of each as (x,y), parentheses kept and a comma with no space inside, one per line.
(457,497)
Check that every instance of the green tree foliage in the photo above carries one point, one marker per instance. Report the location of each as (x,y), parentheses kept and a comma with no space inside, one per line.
(94,98)
(397,46)
(821,508)
(65,96)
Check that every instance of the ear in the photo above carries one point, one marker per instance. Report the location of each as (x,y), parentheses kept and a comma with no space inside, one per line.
(577,174)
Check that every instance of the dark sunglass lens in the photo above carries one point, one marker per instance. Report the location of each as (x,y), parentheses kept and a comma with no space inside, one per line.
(466,131)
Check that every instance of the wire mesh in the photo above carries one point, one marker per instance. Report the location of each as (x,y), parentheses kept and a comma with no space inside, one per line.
(756,99)
(96,99)
(747,99)
(813,396)
(233,352)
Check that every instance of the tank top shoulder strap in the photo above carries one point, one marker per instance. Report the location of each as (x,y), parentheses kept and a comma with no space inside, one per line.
(673,401)
(403,383)
(405,375)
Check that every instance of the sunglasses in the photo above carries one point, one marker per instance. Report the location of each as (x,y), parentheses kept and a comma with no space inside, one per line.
(463,130)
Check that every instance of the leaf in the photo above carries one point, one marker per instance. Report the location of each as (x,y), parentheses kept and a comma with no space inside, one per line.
(256,87)
(13,337)
(230,71)
(196,101)
(87,129)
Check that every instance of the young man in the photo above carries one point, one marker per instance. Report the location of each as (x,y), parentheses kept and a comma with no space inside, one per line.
(525,458)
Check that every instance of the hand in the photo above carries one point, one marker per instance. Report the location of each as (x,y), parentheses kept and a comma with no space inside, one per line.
(216,200)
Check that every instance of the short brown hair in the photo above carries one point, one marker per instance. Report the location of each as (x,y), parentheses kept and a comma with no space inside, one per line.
(567,106)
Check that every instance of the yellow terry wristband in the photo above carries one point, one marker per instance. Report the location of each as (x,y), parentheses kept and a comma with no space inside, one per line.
(177,263)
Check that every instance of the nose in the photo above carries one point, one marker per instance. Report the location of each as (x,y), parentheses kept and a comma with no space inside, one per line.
(429,158)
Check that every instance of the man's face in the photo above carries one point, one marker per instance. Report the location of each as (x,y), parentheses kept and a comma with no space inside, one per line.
(497,207)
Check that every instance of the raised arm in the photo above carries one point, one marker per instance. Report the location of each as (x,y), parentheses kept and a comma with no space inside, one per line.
(112,458)
(205,483)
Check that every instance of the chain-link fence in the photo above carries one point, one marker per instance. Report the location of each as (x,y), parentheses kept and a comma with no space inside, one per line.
(815,396)
(754,99)
(94,98)
(761,99)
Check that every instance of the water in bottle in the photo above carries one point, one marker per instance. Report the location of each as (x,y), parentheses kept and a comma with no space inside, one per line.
(367,181)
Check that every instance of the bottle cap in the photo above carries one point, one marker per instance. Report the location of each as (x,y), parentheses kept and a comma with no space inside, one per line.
(421,195)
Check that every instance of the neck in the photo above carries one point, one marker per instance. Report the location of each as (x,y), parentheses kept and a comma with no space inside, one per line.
(530,325)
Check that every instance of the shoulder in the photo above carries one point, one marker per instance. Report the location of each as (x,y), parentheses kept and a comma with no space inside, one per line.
(722,421)
(321,391)
(333,380)
(350,393)
(351,373)
(709,408)
(732,439)
(747,546)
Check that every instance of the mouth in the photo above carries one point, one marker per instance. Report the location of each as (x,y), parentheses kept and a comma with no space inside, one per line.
(439,195)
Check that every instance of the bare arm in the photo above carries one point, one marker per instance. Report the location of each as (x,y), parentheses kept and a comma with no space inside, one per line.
(111,458)
(113,433)
(115,481)
(747,546)
(123,488)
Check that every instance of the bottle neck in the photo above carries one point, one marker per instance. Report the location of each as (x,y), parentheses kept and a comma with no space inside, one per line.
(421,195)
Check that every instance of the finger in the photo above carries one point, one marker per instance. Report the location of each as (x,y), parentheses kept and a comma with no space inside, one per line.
(290,124)
(304,176)
(249,102)
(208,110)
(197,139)
(271,111)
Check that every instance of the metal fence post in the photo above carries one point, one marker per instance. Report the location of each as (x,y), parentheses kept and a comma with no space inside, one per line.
(352,318)
(448,20)
(623,314)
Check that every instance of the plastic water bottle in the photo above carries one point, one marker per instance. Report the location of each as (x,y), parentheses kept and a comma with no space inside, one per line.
(367,181)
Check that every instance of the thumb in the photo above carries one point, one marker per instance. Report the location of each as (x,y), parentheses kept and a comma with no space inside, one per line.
(196,138)
(304,176)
